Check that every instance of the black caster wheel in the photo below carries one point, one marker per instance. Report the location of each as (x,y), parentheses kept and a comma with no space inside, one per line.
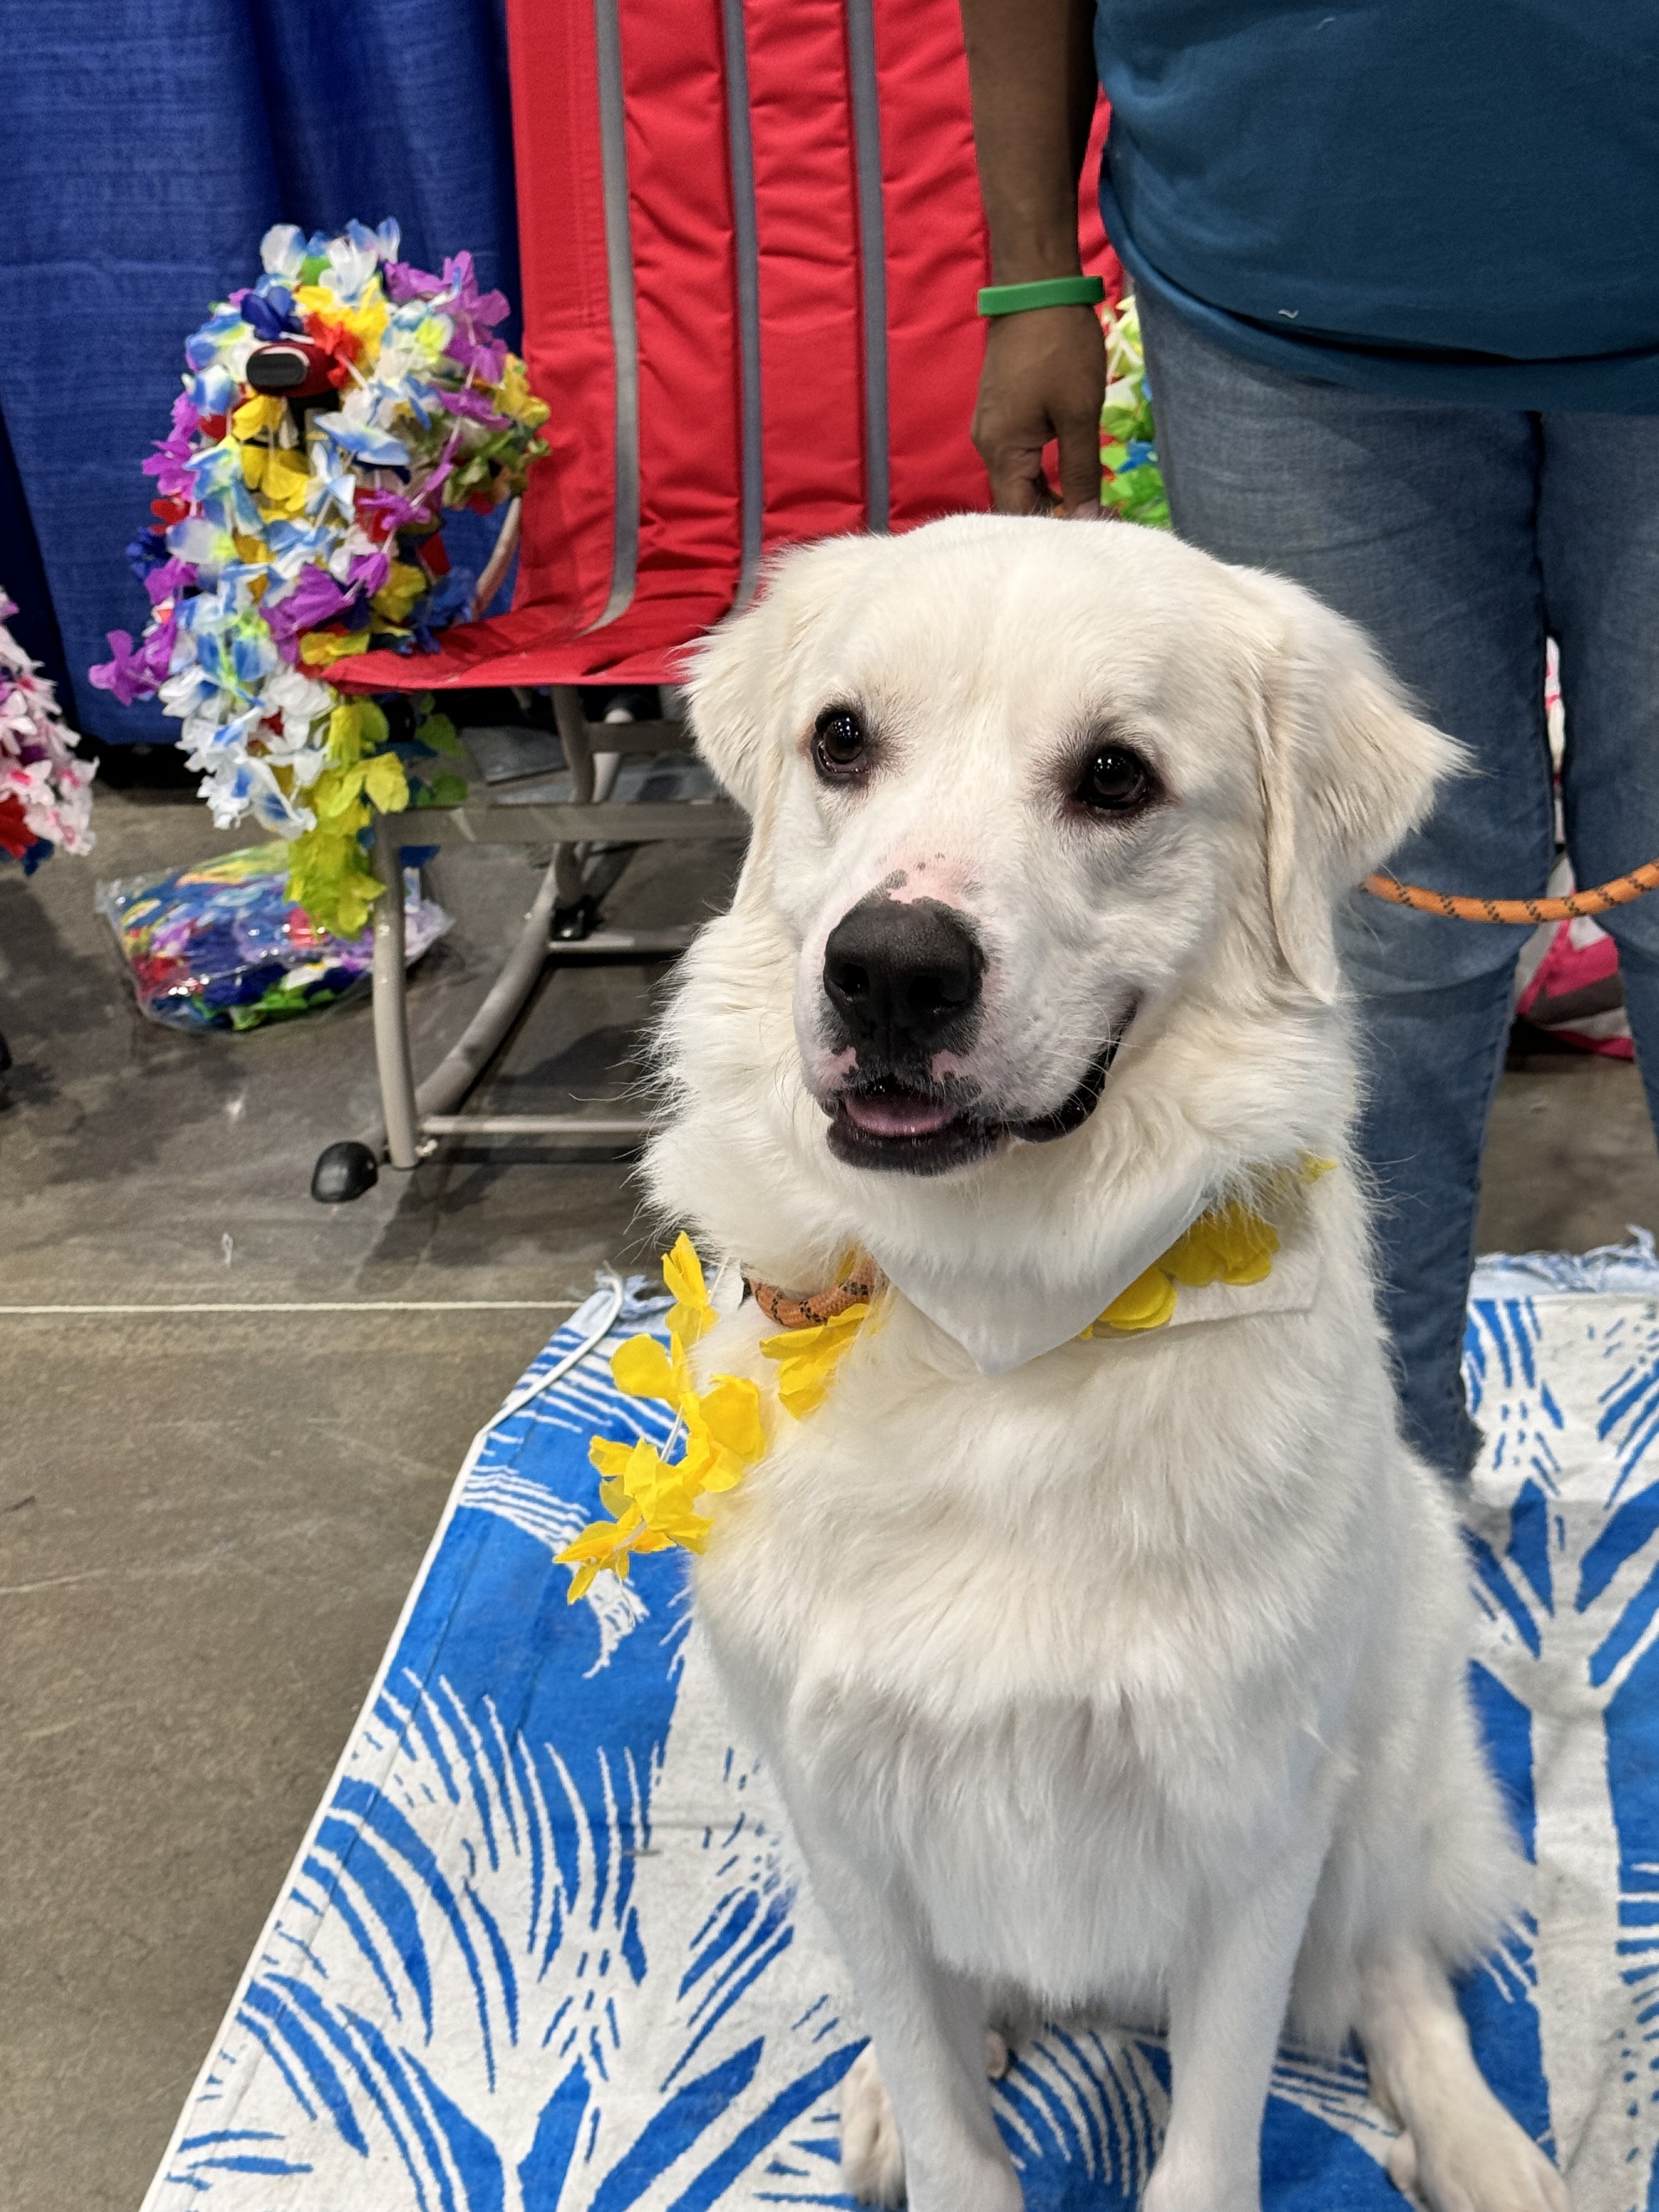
(343,1172)
(570,925)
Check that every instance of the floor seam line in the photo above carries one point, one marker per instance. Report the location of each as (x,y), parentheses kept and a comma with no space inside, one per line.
(313,1306)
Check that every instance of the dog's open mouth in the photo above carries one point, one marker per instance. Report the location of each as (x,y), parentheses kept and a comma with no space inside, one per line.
(887,1124)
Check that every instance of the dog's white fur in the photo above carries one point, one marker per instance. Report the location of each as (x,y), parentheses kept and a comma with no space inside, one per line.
(1130,1682)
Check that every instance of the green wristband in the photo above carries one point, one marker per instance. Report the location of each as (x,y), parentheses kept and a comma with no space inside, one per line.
(1049,292)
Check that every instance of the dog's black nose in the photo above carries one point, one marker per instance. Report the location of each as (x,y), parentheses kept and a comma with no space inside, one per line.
(901,975)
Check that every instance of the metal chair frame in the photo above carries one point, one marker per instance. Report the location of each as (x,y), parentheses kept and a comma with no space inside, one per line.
(564,927)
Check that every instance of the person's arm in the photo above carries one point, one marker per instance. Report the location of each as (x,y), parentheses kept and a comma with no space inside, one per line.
(1030,63)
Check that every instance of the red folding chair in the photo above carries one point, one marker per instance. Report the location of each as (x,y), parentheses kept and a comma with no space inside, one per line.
(751,235)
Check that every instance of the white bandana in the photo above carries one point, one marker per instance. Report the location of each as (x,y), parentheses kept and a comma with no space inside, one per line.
(1001,1322)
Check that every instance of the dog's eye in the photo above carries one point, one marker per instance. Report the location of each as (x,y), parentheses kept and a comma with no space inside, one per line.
(1115,782)
(840,744)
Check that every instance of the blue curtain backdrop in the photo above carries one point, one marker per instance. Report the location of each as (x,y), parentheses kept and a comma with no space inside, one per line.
(148,146)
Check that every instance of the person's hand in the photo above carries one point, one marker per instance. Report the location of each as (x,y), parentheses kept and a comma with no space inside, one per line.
(1044,378)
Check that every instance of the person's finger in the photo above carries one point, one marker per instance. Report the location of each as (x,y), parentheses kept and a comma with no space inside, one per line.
(1079,463)
(1018,484)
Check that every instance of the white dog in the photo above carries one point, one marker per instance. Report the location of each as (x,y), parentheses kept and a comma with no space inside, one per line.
(1123,1675)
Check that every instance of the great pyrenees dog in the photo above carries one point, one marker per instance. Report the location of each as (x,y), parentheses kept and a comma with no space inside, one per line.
(1122,1675)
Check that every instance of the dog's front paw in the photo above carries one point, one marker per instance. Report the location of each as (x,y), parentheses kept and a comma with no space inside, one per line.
(871,2156)
(1490,2166)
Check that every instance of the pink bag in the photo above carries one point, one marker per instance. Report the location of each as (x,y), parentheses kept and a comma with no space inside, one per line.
(1567,981)
(1574,991)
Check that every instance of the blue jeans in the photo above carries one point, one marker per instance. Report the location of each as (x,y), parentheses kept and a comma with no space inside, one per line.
(1460,538)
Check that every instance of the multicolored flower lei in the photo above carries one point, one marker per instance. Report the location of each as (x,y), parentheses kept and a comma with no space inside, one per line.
(292,532)
(1132,482)
(46,791)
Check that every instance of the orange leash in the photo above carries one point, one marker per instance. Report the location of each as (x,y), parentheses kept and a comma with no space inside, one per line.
(1619,892)
(787,1309)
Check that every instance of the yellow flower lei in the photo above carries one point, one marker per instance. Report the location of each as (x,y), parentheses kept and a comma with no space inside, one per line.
(1232,1243)
(652,1503)
(807,1358)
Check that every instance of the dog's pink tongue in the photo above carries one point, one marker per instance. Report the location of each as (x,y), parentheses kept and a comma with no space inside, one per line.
(895,1113)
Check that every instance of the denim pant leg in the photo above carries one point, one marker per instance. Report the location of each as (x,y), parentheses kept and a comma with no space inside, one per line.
(1599,539)
(1419,522)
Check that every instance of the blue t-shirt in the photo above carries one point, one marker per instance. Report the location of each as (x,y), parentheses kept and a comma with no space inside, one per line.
(1444,199)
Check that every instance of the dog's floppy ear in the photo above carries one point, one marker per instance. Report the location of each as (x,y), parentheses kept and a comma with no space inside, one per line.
(728,690)
(1346,768)
(739,674)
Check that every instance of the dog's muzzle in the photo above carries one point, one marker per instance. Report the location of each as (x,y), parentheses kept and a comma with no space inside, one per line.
(904,979)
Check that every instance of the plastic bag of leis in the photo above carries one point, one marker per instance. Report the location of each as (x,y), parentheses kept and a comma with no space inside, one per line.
(223,947)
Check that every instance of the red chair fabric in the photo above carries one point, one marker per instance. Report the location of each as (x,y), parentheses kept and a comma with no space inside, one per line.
(750,236)
(1098,258)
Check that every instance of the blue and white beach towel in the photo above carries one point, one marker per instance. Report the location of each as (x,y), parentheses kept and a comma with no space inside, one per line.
(546,1945)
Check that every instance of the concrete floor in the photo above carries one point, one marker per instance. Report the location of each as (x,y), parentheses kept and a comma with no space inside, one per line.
(208,1521)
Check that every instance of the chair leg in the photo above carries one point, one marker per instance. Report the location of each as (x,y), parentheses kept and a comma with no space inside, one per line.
(592,776)
(572,724)
(391,1011)
(460,1068)
(562,909)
